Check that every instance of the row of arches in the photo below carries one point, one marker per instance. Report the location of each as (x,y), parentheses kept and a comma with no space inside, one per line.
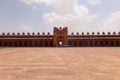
(77,43)
(26,44)
(110,43)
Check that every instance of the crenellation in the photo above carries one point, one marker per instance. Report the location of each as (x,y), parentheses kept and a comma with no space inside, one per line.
(13,34)
(38,33)
(88,33)
(8,34)
(109,33)
(43,33)
(77,33)
(65,28)
(118,33)
(98,33)
(114,33)
(18,34)
(3,34)
(72,33)
(93,33)
(23,34)
(55,28)
(83,33)
(48,33)
(60,28)
(33,34)
(28,34)
(103,33)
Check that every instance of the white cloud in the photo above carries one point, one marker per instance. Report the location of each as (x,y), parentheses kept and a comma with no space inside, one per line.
(75,16)
(36,1)
(95,2)
(24,28)
(113,23)
(34,7)
(67,13)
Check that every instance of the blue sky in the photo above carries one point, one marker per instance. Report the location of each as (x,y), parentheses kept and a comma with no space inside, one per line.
(43,15)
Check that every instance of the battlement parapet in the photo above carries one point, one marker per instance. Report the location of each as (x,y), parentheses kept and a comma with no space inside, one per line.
(25,34)
(60,28)
(93,33)
(47,34)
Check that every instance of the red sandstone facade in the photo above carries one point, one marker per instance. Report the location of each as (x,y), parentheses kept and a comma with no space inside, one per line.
(60,37)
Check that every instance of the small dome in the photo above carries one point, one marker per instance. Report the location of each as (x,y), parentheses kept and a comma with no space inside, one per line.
(103,33)
(82,33)
(72,33)
(3,33)
(93,33)
(43,33)
(118,33)
(77,33)
(28,33)
(18,33)
(48,33)
(23,33)
(98,33)
(109,33)
(88,33)
(38,33)
(33,33)
(13,33)
(8,33)
(114,33)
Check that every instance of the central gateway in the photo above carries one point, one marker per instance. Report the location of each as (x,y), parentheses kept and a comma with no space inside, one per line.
(60,36)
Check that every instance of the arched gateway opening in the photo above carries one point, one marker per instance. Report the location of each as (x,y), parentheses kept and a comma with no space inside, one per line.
(60,43)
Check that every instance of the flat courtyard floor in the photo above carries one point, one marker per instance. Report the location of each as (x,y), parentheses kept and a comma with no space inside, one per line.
(60,63)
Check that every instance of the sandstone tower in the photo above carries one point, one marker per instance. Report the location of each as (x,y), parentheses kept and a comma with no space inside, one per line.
(60,37)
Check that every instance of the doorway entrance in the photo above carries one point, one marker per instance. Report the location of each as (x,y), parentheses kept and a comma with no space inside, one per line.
(60,43)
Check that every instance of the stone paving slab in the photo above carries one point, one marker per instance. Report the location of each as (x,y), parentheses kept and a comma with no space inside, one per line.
(60,63)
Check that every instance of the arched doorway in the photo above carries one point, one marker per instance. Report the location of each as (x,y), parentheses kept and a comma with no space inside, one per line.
(85,44)
(36,44)
(5,43)
(90,43)
(80,44)
(70,43)
(96,43)
(74,43)
(46,44)
(60,43)
(25,43)
(51,44)
(10,43)
(40,44)
(15,44)
(20,44)
(0,43)
(112,43)
(30,44)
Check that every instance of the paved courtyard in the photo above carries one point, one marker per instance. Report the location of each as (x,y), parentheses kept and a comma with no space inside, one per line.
(60,63)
